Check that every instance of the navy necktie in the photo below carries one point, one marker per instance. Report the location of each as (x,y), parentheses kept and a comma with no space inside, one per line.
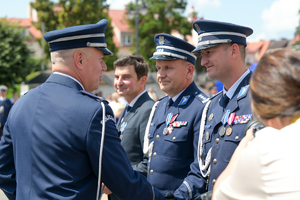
(127,110)
(224,101)
(169,104)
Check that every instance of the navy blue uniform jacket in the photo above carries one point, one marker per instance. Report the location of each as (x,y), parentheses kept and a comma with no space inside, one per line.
(50,147)
(222,146)
(173,153)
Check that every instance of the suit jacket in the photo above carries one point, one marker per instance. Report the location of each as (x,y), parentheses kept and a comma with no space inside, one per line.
(133,135)
(223,144)
(50,147)
(173,152)
(131,130)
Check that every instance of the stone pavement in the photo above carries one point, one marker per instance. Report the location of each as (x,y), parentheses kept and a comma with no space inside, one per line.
(3,197)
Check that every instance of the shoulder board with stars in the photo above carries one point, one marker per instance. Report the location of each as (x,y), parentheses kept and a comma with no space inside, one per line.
(201,97)
(93,96)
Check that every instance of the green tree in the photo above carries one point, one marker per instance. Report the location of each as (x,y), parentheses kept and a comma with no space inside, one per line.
(16,61)
(162,17)
(68,13)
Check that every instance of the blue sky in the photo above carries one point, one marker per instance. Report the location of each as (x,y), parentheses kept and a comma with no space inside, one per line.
(270,19)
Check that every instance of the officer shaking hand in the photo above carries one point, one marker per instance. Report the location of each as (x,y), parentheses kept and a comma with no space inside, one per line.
(51,141)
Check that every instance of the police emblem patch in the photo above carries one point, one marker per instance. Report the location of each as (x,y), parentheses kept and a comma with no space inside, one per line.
(108,117)
(197,28)
(161,39)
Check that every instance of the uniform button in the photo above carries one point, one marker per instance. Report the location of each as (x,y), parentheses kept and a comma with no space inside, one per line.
(215,161)
(151,171)
(174,138)
(236,137)
(157,136)
(213,181)
(217,140)
(154,154)
(148,135)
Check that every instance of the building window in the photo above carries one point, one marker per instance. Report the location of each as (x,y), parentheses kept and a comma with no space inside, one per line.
(127,39)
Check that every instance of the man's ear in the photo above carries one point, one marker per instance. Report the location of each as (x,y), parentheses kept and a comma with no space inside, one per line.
(79,59)
(143,80)
(234,50)
(190,68)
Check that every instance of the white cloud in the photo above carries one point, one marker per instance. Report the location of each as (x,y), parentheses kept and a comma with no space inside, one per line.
(281,17)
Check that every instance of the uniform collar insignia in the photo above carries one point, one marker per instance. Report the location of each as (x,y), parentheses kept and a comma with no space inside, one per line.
(243,91)
(184,100)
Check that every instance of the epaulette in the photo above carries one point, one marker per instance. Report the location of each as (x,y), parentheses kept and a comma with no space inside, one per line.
(93,96)
(202,98)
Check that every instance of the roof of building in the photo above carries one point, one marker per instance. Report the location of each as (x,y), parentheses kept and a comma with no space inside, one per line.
(26,23)
(118,18)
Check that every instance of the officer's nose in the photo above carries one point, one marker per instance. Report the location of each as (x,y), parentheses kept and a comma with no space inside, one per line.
(204,60)
(103,65)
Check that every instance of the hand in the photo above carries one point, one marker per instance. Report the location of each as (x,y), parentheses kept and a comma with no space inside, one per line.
(106,190)
(170,196)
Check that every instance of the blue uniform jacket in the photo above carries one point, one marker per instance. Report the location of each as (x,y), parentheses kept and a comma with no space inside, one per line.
(222,146)
(50,147)
(173,153)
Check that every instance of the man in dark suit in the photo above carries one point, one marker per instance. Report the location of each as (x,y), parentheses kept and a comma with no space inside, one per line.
(130,80)
(222,47)
(52,141)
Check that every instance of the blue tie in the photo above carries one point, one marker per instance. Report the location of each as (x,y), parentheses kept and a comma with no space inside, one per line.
(127,110)
(224,101)
(169,104)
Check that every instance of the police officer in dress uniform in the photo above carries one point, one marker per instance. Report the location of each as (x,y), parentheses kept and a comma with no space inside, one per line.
(130,80)
(50,147)
(174,128)
(5,106)
(222,46)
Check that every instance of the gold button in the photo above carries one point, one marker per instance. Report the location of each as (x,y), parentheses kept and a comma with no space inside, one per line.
(174,138)
(148,135)
(217,140)
(213,181)
(157,136)
(154,154)
(215,161)
(151,171)
(236,137)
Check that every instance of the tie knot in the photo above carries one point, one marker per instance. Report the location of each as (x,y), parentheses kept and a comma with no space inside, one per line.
(224,101)
(128,108)
(170,102)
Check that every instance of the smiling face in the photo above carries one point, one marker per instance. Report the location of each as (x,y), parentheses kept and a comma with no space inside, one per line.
(126,82)
(173,76)
(215,60)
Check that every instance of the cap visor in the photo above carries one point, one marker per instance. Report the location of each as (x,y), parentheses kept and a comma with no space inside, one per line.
(106,51)
(160,57)
(196,51)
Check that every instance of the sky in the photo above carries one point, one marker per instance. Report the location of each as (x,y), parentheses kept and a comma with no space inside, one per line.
(269,19)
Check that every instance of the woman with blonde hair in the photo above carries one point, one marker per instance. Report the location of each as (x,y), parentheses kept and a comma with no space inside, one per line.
(267,167)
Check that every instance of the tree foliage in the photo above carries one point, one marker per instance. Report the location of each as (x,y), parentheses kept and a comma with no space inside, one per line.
(68,13)
(162,17)
(16,61)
